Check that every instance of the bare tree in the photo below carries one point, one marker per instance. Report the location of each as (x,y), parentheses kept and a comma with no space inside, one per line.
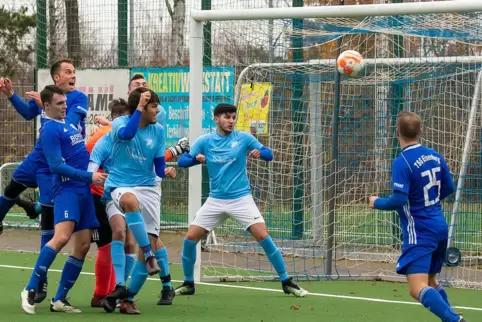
(178,19)
(53,22)
(73,31)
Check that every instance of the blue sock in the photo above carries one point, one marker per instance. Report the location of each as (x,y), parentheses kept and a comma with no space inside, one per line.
(70,274)
(275,257)
(45,259)
(163,262)
(188,259)
(138,228)
(45,237)
(138,278)
(118,261)
(5,205)
(130,260)
(440,289)
(433,301)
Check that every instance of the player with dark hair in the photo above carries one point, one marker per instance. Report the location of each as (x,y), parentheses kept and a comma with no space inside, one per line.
(104,271)
(34,170)
(225,152)
(138,148)
(420,180)
(74,213)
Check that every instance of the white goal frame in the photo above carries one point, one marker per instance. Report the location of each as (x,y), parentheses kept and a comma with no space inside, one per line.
(196,68)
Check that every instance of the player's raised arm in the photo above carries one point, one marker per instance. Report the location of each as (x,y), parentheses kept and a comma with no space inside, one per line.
(400,186)
(128,131)
(27,110)
(78,111)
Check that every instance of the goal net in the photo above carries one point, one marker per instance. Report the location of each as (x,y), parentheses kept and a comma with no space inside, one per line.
(334,137)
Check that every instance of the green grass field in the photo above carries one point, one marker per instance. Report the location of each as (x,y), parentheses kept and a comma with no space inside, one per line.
(340,301)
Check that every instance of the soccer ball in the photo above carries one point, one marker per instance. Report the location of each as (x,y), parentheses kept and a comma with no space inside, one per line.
(351,64)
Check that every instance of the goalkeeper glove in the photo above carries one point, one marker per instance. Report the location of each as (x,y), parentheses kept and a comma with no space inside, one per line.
(181,146)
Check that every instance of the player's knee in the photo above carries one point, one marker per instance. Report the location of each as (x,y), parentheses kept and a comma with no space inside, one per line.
(60,239)
(195,234)
(14,189)
(81,248)
(118,233)
(432,281)
(129,202)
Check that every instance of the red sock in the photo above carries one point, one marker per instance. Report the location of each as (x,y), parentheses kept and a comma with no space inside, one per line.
(103,272)
(112,280)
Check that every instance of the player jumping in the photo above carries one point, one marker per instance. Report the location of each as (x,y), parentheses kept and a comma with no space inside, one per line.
(420,180)
(138,148)
(225,152)
(34,170)
(74,213)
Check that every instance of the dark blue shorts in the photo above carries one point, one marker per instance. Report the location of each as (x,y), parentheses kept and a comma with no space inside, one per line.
(422,259)
(76,205)
(45,187)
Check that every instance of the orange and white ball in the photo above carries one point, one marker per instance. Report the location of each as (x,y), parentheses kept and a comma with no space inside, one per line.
(351,64)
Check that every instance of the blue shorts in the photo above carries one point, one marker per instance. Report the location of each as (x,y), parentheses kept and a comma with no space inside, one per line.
(423,259)
(45,186)
(75,205)
(25,173)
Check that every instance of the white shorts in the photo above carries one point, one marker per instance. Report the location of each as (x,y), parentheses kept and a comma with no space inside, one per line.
(149,199)
(215,211)
(111,210)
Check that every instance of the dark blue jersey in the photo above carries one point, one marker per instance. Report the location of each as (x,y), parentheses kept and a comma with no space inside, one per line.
(66,154)
(424,176)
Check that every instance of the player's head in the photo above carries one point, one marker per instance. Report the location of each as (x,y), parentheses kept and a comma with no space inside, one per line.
(54,102)
(63,74)
(136,81)
(118,107)
(149,115)
(409,126)
(225,117)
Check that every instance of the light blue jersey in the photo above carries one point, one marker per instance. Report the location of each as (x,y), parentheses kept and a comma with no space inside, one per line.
(132,162)
(226,159)
(101,154)
(161,116)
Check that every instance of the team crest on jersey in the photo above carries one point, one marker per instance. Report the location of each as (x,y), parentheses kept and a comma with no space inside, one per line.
(149,143)
(234,144)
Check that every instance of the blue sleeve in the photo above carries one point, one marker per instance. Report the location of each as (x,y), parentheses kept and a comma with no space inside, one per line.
(50,141)
(198,146)
(129,131)
(100,152)
(447,185)
(395,201)
(79,106)
(160,166)
(253,143)
(401,175)
(266,154)
(161,149)
(161,116)
(187,160)
(28,111)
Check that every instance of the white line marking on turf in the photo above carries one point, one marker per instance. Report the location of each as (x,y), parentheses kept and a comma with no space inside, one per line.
(367,299)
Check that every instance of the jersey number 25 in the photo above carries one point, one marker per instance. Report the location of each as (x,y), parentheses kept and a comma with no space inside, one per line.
(432,182)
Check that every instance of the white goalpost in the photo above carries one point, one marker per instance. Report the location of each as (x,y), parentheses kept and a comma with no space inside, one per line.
(333,137)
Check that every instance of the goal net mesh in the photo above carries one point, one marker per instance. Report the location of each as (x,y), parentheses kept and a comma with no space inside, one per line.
(324,169)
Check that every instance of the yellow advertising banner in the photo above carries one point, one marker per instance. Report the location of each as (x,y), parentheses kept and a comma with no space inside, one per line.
(253,108)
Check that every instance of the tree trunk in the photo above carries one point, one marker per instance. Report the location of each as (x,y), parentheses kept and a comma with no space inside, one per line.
(178,19)
(73,31)
(53,22)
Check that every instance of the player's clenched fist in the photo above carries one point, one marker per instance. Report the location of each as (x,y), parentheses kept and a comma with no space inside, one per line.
(170,172)
(99,178)
(254,154)
(6,86)
(200,158)
(372,201)
(145,97)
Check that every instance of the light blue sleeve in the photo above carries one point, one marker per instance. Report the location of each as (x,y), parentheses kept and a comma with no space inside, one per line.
(252,143)
(101,150)
(160,153)
(117,125)
(198,146)
(161,116)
